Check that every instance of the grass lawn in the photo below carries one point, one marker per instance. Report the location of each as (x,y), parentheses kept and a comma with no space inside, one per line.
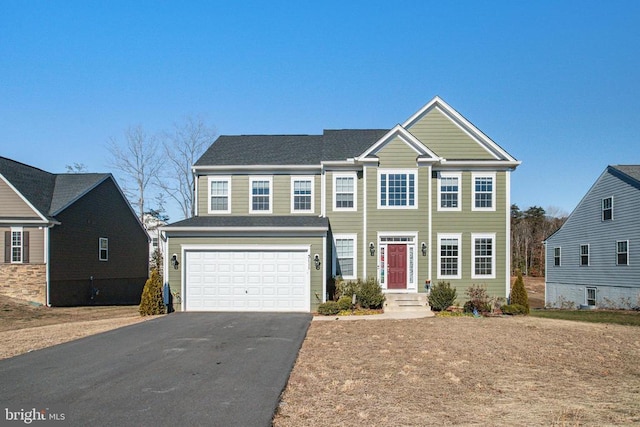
(616,317)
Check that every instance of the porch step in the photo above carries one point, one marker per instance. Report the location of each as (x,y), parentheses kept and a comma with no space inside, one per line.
(406,302)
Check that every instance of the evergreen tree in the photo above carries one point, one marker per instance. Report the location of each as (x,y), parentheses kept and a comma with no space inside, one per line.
(519,293)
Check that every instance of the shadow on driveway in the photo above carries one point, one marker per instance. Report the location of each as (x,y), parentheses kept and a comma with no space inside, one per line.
(195,369)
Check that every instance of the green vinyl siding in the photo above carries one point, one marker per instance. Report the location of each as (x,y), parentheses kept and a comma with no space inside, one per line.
(445,138)
(397,154)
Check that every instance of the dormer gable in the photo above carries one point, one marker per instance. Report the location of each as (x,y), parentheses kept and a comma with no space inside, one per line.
(398,133)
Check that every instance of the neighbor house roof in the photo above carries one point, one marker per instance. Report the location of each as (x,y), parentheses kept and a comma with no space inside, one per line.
(48,193)
(632,171)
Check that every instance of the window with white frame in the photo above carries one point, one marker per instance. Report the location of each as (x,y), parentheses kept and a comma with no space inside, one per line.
(483,256)
(345,255)
(397,189)
(16,246)
(483,194)
(260,195)
(220,195)
(590,296)
(607,208)
(584,255)
(622,252)
(103,249)
(344,192)
(449,190)
(556,256)
(449,256)
(302,194)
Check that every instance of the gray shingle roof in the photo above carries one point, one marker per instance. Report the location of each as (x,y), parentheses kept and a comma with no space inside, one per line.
(48,192)
(262,221)
(289,149)
(631,170)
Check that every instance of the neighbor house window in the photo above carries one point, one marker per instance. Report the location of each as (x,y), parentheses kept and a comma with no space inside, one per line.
(591,296)
(483,194)
(449,256)
(584,254)
(345,255)
(344,191)
(622,252)
(483,256)
(103,245)
(556,256)
(302,194)
(607,208)
(449,185)
(260,197)
(16,246)
(397,189)
(220,195)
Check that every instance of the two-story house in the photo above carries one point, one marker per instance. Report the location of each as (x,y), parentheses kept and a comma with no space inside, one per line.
(278,216)
(593,259)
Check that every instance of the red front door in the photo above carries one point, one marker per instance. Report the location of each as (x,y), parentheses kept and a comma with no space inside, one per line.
(397,266)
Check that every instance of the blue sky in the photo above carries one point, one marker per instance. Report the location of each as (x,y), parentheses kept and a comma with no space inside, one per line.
(555,83)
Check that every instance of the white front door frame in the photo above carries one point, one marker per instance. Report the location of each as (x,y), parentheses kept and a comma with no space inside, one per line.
(408,238)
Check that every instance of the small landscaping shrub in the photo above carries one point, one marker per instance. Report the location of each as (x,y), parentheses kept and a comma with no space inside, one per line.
(344,303)
(328,308)
(344,288)
(369,293)
(151,302)
(519,293)
(514,309)
(442,296)
(478,300)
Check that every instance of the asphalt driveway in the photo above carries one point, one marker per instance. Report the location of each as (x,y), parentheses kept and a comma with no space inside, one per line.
(195,369)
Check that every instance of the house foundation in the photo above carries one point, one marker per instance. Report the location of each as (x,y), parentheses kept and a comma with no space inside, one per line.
(24,281)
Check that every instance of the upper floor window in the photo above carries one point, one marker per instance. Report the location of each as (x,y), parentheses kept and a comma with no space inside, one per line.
(449,187)
(302,194)
(220,195)
(16,246)
(345,255)
(260,197)
(622,252)
(483,194)
(607,208)
(449,256)
(483,256)
(584,255)
(103,249)
(556,256)
(397,189)
(344,192)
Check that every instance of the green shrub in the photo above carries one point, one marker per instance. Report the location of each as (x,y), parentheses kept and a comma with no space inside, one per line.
(442,296)
(519,293)
(514,309)
(151,302)
(344,303)
(344,288)
(478,299)
(369,293)
(328,308)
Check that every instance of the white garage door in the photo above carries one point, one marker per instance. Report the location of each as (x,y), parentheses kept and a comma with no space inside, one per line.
(247,280)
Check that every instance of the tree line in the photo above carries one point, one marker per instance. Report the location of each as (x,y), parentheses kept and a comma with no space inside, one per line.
(529,229)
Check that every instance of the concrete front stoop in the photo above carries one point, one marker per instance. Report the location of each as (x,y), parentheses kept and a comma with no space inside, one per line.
(407,303)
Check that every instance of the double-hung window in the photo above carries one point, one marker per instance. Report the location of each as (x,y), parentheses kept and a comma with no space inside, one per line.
(483,256)
(607,208)
(483,194)
(449,256)
(449,189)
(16,245)
(103,249)
(345,255)
(302,194)
(622,252)
(344,192)
(220,195)
(584,255)
(397,189)
(590,296)
(556,256)
(260,195)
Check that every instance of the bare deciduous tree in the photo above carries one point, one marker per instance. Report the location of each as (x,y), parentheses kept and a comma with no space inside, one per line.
(182,147)
(139,161)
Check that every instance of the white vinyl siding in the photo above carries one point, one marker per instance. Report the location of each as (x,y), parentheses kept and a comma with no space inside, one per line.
(219,195)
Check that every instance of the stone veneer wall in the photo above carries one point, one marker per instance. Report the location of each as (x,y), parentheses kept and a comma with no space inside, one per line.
(24,281)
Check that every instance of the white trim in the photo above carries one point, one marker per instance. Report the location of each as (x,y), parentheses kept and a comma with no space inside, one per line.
(458,237)
(365,249)
(323,193)
(324,269)
(406,172)
(491,236)
(474,176)
(586,295)
(260,168)
(100,240)
(457,175)
(580,255)
(628,252)
(219,178)
(602,209)
(405,136)
(507,240)
(430,224)
(196,186)
(345,236)
(247,229)
(411,242)
(354,176)
(19,230)
(559,248)
(47,267)
(305,178)
(259,178)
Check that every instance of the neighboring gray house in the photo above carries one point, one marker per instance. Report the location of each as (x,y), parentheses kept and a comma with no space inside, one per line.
(69,239)
(594,258)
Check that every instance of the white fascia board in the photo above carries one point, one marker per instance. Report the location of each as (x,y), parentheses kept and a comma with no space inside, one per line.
(261,168)
(273,230)
(478,164)
(24,199)
(465,125)
(16,221)
(406,137)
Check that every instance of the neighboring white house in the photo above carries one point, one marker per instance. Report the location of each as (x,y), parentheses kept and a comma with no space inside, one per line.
(594,258)
(152,225)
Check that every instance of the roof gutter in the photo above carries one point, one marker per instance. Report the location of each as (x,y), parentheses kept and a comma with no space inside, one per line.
(242,229)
